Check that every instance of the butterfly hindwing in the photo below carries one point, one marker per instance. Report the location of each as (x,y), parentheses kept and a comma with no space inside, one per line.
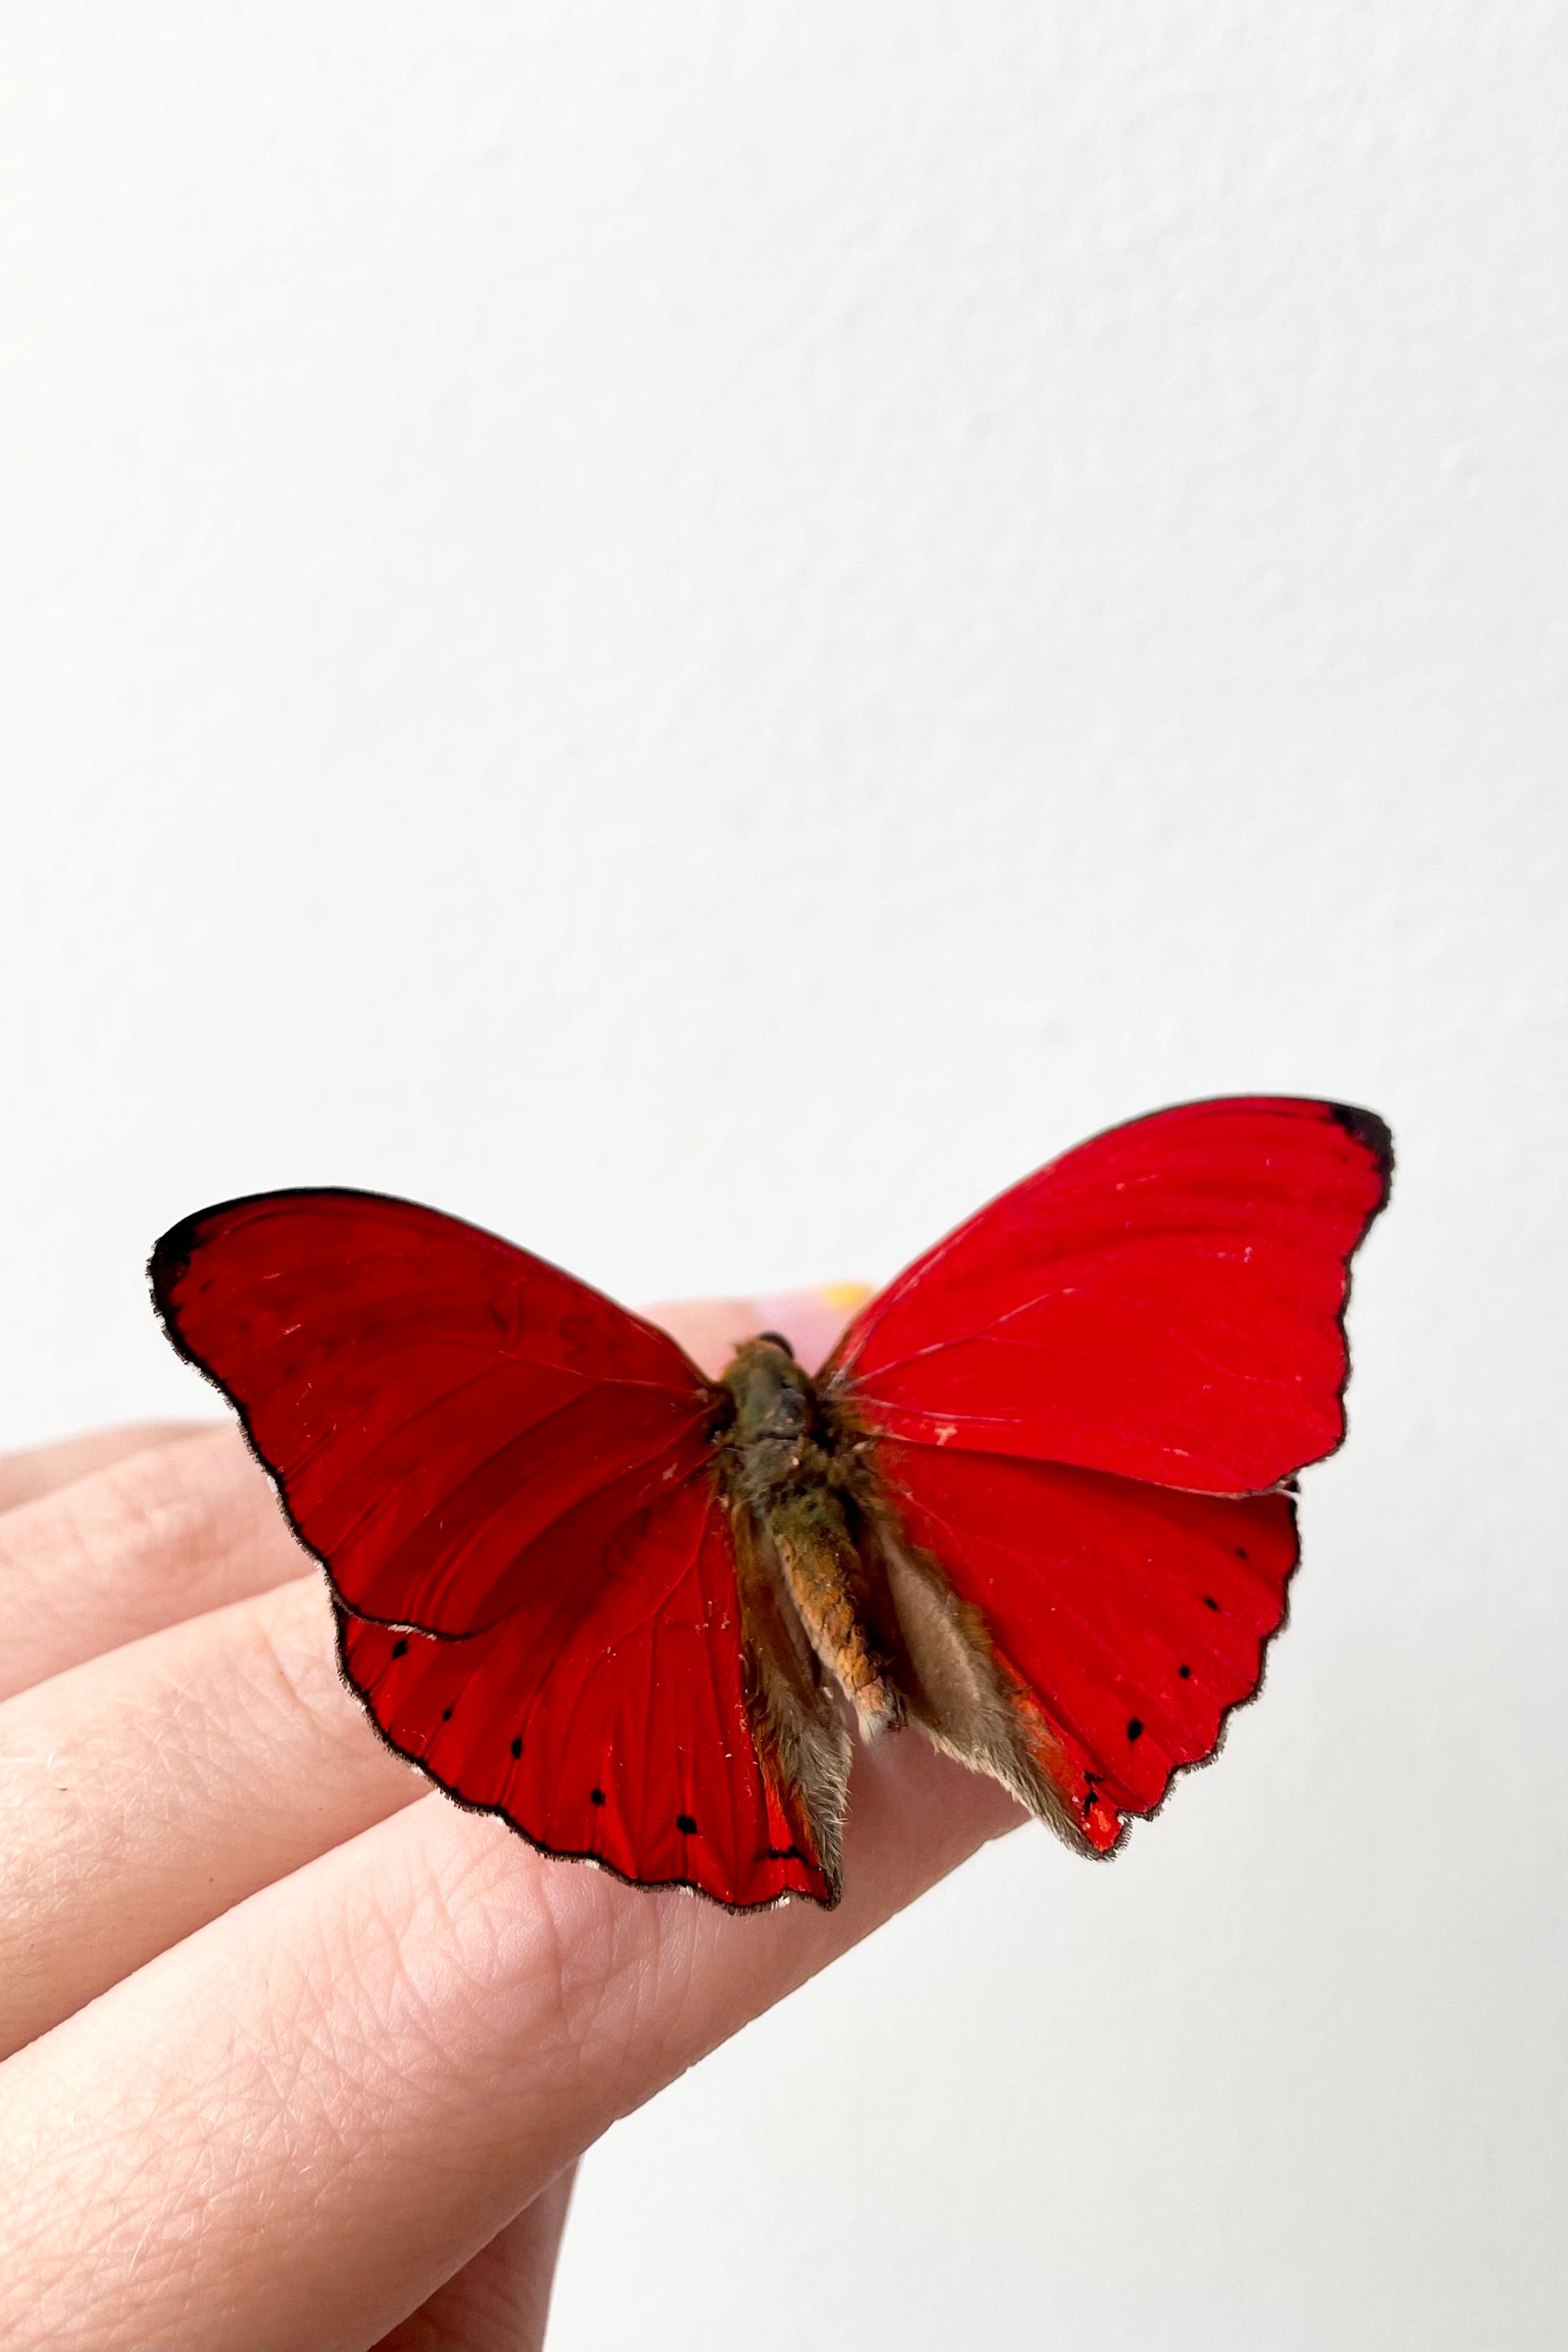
(620,1732)
(1127,1618)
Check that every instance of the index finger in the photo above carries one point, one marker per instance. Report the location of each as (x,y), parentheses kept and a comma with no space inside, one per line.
(294,2127)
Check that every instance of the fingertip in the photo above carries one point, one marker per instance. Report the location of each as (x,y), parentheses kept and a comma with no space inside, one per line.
(812,1320)
(711,1329)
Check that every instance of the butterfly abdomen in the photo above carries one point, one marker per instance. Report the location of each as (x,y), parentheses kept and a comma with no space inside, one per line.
(780,1464)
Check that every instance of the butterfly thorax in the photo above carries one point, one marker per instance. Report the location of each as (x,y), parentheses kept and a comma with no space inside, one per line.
(783,1462)
(774,1442)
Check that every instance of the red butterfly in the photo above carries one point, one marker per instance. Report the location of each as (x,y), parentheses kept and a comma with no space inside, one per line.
(1037,1501)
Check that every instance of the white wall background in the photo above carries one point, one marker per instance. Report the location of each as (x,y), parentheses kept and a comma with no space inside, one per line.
(702,633)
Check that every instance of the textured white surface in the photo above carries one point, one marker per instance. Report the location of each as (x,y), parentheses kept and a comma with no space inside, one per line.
(702,633)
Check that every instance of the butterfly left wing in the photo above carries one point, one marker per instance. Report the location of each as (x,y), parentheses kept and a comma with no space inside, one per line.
(510,1482)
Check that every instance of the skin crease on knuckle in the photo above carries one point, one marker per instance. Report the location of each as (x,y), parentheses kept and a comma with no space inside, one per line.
(135,1546)
(41,1469)
(502,2296)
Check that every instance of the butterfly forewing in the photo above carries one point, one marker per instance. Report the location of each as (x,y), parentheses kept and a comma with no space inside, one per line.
(1165,1302)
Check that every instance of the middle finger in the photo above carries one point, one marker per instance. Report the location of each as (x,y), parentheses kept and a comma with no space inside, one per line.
(138,1544)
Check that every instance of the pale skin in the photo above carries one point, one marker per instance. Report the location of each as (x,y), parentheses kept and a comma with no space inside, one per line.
(295,2053)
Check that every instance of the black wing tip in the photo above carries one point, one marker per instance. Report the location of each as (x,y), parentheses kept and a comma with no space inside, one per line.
(1376,1139)
(173,1253)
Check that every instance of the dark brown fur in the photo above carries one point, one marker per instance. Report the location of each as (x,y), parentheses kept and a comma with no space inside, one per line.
(831,1593)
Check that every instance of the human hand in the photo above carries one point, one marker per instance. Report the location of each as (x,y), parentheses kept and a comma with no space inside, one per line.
(294,2051)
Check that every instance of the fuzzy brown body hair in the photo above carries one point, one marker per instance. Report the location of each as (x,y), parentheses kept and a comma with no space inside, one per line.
(834,1601)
